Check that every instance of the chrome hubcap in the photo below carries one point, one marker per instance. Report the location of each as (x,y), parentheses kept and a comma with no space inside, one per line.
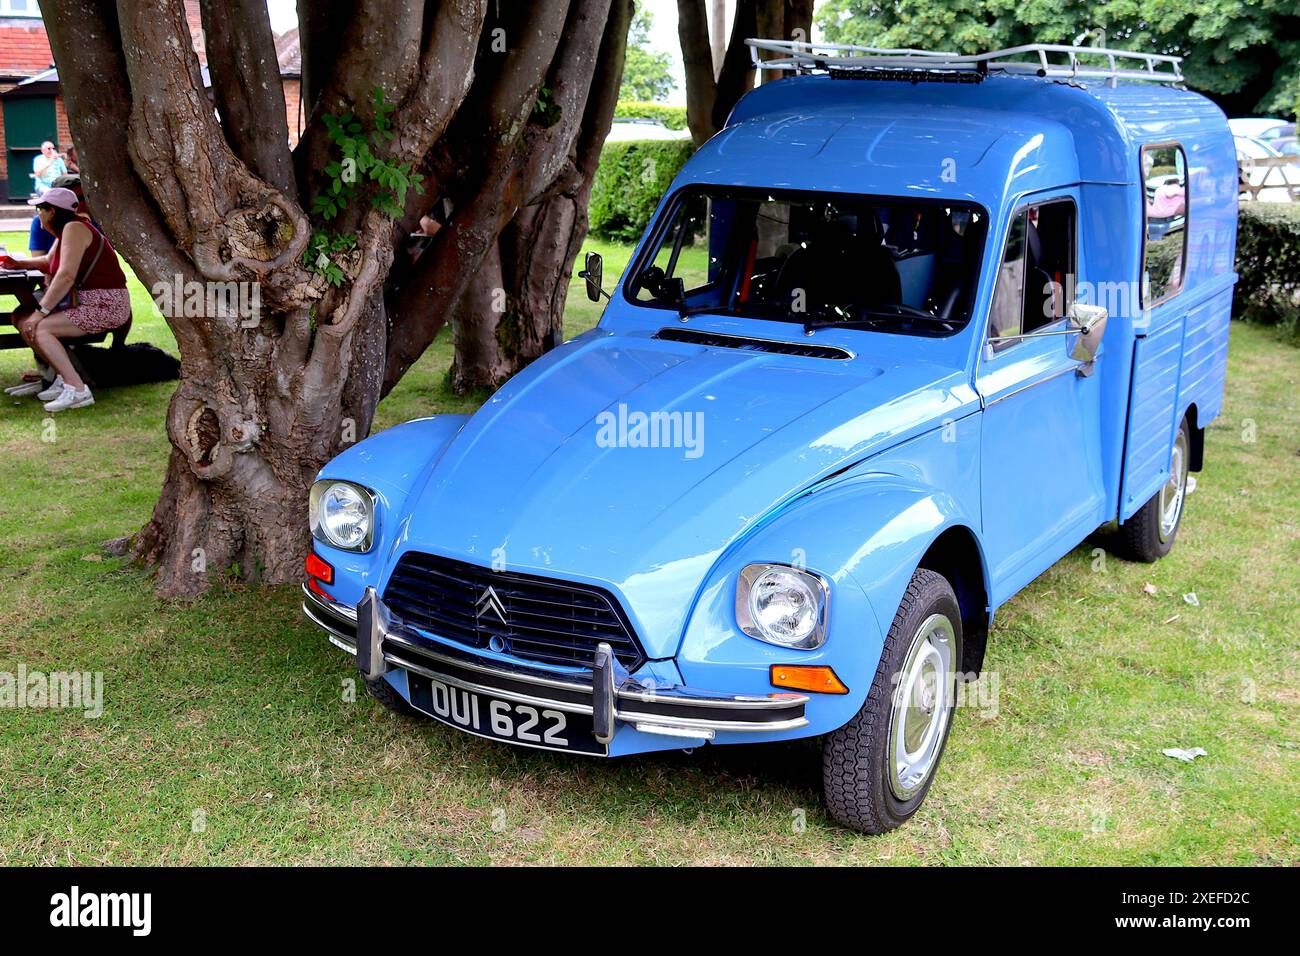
(922,707)
(1173,491)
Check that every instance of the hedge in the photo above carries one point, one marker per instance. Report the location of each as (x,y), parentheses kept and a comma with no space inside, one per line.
(633,176)
(1268,264)
(674,117)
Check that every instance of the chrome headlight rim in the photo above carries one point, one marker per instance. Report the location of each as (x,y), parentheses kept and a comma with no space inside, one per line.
(318,529)
(750,575)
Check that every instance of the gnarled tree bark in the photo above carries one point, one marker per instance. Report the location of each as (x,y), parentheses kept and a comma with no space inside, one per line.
(197,197)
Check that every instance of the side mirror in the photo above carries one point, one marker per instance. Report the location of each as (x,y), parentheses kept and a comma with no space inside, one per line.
(1091,323)
(593,273)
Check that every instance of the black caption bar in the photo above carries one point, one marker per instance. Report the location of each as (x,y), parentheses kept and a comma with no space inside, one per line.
(139,906)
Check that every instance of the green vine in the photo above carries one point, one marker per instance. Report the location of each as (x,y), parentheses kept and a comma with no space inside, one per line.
(546,112)
(323,250)
(360,161)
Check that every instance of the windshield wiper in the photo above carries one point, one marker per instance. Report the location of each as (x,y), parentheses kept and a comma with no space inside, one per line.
(822,317)
(876,315)
(688,310)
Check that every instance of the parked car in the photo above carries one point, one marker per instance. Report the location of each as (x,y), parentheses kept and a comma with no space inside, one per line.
(622,130)
(890,348)
(1266,129)
(1286,144)
(1275,133)
(1273,176)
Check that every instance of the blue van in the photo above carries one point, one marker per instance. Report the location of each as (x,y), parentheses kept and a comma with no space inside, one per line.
(903,334)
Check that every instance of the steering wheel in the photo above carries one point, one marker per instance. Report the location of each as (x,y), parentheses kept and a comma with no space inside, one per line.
(779,289)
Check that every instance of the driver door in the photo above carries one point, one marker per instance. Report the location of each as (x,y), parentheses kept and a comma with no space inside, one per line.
(1040,473)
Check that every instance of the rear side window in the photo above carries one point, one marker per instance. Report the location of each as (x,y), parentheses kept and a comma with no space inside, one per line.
(1164,254)
(1038,266)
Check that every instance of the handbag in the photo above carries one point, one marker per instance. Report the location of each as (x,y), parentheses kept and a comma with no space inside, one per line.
(69,301)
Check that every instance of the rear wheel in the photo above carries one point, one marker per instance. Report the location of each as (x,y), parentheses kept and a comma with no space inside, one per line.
(1149,534)
(877,768)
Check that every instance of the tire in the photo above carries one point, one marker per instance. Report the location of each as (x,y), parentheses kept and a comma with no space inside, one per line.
(867,787)
(1149,535)
(385,693)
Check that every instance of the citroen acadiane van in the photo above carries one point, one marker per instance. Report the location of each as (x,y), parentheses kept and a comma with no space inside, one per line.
(904,333)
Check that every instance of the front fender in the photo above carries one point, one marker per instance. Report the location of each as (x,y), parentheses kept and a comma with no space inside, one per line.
(390,463)
(866,534)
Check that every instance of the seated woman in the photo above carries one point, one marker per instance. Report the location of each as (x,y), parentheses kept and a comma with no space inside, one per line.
(84,271)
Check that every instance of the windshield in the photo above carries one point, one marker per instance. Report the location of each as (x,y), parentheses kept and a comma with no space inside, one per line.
(818,259)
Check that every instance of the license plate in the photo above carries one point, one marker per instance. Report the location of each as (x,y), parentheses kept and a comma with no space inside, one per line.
(486,716)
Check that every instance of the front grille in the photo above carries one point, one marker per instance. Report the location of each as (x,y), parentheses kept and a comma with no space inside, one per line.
(538,619)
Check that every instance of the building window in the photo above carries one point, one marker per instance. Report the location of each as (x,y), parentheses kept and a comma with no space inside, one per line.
(19,8)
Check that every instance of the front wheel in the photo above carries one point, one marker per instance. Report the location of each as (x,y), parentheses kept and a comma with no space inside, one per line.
(387,695)
(877,768)
(1149,534)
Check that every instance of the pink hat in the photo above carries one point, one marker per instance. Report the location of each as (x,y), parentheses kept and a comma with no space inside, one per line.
(58,196)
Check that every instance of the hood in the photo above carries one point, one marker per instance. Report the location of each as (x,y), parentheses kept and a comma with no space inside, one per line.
(566,471)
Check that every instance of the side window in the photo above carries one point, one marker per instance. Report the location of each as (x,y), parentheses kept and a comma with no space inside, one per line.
(681,265)
(1009,293)
(1037,269)
(1164,255)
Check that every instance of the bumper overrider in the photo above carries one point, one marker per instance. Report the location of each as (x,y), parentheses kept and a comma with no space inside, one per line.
(605,691)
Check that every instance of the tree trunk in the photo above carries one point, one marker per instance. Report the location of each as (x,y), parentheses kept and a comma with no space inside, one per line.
(718,34)
(713,89)
(710,94)
(268,394)
(537,249)
(519,212)
(480,360)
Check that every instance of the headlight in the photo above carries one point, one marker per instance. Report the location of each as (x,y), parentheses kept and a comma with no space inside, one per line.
(343,515)
(782,605)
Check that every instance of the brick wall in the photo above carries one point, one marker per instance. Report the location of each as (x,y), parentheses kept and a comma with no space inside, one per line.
(292,97)
(61,124)
(194,19)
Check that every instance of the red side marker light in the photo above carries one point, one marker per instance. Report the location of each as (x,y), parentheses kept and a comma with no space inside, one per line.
(318,568)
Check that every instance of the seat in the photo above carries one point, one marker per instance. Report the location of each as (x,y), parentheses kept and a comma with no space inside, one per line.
(118,336)
(878,276)
(845,263)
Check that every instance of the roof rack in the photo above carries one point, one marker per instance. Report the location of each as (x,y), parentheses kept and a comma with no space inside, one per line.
(1052,60)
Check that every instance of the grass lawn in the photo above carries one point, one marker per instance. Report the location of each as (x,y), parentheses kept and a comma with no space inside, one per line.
(228,736)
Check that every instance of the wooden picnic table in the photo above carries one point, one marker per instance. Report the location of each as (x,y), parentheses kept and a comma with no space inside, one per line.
(23,285)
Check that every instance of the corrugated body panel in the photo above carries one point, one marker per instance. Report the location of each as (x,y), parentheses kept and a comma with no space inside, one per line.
(1157,360)
(1205,357)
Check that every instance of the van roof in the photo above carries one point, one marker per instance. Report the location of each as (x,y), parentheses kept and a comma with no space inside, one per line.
(972,140)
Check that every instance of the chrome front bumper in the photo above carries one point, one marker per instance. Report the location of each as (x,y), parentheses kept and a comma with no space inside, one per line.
(606,691)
